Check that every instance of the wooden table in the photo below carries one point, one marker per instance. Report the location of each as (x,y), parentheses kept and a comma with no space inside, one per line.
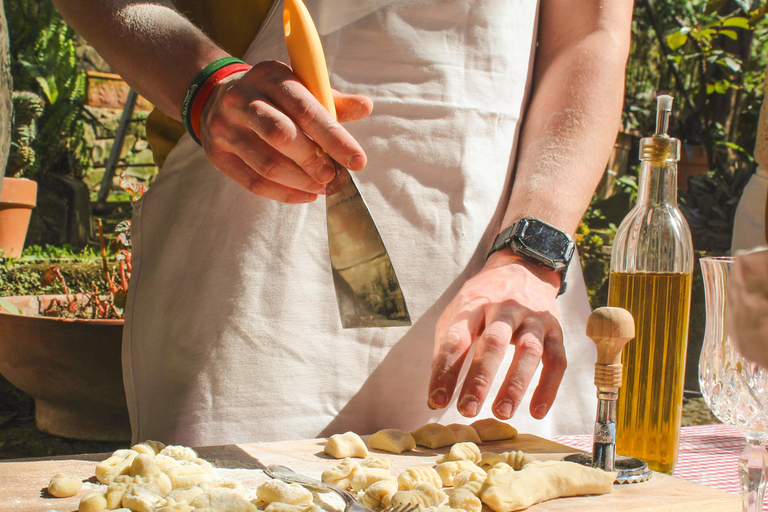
(23,482)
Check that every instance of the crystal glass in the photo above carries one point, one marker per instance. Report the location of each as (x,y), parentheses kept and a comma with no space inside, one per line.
(735,389)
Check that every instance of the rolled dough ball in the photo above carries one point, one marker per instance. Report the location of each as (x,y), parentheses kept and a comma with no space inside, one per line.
(345,445)
(392,440)
(434,435)
(464,499)
(449,470)
(424,494)
(93,502)
(462,451)
(465,433)
(223,500)
(64,486)
(491,429)
(412,477)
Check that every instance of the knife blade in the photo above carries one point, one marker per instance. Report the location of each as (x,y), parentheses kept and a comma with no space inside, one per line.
(368,293)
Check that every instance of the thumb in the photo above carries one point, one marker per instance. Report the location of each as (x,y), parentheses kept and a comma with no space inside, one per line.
(351,107)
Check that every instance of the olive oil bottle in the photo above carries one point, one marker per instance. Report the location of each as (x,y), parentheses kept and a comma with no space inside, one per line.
(651,269)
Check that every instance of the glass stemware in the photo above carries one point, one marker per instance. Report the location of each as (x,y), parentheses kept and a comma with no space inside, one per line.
(734,388)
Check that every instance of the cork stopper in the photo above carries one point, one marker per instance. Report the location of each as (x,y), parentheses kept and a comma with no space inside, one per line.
(610,329)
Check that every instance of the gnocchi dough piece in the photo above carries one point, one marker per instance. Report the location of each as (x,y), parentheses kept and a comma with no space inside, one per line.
(499,468)
(376,462)
(64,486)
(424,494)
(518,490)
(490,459)
(448,470)
(341,474)
(516,459)
(434,435)
(462,451)
(159,483)
(392,440)
(470,480)
(171,505)
(491,429)
(466,500)
(92,502)
(179,453)
(150,448)
(188,474)
(277,490)
(379,494)
(222,500)
(223,484)
(465,433)
(185,494)
(285,507)
(412,477)
(115,492)
(349,444)
(519,459)
(140,498)
(119,463)
(365,477)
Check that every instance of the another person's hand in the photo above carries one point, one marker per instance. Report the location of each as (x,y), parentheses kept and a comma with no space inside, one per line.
(510,301)
(747,310)
(266,131)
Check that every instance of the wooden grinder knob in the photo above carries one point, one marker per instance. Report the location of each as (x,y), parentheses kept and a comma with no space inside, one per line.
(610,329)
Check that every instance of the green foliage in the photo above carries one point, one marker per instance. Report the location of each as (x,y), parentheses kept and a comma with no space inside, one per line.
(22,278)
(27,108)
(709,205)
(44,60)
(709,55)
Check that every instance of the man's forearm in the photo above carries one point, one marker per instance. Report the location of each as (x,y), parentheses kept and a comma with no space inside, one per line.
(571,122)
(150,44)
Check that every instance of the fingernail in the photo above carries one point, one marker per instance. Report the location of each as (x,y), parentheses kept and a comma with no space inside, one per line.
(356,162)
(469,406)
(326,173)
(504,409)
(541,410)
(438,399)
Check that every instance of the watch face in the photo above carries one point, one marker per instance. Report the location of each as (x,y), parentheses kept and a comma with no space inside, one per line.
(547,242)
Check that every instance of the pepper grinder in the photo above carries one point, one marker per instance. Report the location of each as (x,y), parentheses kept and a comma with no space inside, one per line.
(610,328)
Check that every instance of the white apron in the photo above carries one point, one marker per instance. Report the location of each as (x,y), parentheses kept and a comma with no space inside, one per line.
(232,332)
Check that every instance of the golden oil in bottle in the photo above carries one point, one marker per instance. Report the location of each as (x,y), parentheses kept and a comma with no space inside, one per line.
(650,400)
(651,269)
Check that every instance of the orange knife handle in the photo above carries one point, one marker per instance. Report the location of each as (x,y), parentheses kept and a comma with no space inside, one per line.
(306,52)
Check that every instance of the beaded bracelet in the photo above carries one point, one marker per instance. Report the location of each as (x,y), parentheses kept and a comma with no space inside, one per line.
(193,90)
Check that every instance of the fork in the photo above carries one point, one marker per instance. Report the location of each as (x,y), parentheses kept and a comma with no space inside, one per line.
(351,504)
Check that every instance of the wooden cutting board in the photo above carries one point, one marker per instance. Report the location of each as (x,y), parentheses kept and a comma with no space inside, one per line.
(23,482)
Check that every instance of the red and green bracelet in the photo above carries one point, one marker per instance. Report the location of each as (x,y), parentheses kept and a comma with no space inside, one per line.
(201,89)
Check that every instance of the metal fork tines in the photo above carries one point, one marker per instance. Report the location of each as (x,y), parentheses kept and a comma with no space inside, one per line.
(351,504)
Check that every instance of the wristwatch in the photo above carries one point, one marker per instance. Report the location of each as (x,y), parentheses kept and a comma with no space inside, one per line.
(539,242)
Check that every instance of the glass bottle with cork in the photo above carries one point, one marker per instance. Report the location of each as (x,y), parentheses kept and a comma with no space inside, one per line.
(651,270)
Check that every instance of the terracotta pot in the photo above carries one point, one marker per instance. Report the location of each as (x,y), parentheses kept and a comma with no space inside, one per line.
(17,199)
(72,369)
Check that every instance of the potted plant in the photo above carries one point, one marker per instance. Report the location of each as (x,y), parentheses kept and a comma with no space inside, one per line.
(65,351)
(19,195)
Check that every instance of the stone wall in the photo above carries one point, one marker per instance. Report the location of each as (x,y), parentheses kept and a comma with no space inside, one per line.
(106,94)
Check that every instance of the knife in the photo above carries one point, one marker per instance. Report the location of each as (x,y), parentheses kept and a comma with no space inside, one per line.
(368,292)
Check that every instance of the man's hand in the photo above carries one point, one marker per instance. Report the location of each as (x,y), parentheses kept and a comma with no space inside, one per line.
(510,301)
(266,131)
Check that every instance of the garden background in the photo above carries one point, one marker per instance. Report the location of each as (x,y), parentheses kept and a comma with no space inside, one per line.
(69,107)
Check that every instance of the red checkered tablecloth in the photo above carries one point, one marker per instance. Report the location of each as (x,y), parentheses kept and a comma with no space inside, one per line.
(708,455)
